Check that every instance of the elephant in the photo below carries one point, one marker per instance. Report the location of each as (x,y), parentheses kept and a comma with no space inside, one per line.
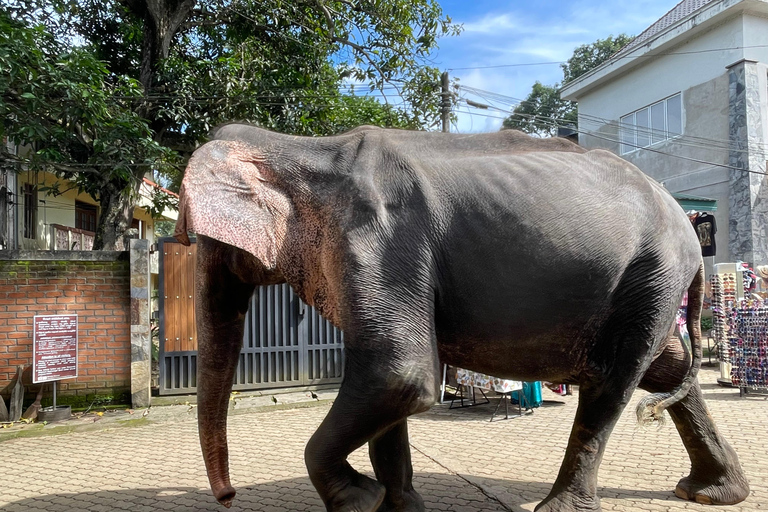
(519,257)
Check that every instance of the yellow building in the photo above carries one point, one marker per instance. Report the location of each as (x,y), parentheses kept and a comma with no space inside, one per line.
(39,221)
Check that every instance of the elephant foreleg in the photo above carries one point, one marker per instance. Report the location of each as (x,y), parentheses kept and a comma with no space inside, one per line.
(716,476)
(391,458)
(371,401)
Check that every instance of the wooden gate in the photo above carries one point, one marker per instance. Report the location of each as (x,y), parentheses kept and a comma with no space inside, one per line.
(286,342)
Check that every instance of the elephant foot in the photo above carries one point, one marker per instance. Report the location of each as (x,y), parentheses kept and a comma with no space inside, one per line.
(364,495)
(407,502)
(569,502)
(729,489)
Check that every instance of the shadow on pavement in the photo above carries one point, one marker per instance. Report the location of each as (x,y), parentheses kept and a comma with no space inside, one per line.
(291,495)
(443,412)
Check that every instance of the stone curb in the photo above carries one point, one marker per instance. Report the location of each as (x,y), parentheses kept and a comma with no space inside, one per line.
(92,422)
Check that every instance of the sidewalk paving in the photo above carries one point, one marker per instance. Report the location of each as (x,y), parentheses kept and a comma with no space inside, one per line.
(462,462)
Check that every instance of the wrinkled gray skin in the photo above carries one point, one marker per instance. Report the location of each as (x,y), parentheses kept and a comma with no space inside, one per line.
(517,257)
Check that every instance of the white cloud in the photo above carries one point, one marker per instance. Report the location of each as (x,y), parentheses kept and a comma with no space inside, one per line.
(540,31)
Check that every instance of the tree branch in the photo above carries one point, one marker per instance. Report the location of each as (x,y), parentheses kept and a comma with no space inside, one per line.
(328,19)
(61,167)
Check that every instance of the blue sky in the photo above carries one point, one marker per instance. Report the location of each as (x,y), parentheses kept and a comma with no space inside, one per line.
(500,33)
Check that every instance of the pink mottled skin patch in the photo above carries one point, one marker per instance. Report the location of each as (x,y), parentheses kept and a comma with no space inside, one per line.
(230,194)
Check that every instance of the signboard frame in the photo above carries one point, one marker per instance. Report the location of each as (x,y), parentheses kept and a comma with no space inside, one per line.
(36,339)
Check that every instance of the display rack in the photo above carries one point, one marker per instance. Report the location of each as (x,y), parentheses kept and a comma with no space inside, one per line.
(727,289)
(748,345)
(740,329)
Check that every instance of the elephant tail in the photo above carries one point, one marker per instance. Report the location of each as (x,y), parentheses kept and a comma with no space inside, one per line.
(652,407)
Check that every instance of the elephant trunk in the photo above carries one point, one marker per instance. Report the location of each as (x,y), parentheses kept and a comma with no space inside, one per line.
(217,363)
(221,303)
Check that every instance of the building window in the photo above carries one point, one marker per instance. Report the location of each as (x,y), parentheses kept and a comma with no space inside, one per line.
(141,228)
(652,124)
(30,211)
(85,216)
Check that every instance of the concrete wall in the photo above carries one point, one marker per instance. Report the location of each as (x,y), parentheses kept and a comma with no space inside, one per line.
(663,76)
(697,162)
(705,119)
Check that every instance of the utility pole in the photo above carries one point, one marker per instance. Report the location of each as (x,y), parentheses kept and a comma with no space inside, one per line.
(445,102)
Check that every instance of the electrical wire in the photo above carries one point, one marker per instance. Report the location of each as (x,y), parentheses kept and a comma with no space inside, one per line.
(688,140)
(617,57)
(557,123)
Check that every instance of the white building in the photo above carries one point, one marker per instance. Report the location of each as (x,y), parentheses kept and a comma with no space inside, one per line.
(687,102)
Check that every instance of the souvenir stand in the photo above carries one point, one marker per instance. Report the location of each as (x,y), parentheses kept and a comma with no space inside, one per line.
(473,380)
(740,325)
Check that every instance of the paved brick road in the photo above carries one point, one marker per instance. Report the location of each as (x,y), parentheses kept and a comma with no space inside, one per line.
(462,462)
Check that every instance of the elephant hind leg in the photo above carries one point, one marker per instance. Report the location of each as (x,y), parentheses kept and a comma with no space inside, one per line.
(716,476)
(600,405)
(620,355)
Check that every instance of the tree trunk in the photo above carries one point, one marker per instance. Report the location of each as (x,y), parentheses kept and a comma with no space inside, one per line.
(162,18)
(115,218)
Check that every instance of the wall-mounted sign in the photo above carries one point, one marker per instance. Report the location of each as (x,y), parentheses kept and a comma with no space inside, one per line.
(54,352)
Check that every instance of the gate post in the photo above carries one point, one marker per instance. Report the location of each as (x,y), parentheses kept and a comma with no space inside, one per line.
(141,337)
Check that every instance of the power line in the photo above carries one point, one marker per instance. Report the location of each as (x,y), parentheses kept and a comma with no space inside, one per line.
(509,65)
(617,57)
(554,123)
(686,140)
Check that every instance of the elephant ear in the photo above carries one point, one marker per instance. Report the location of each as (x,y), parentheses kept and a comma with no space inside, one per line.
(229,194)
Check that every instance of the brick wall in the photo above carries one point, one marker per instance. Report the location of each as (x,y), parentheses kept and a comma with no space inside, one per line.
(96,286)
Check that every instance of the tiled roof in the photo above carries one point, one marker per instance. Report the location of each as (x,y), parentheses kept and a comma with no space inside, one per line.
(678,12)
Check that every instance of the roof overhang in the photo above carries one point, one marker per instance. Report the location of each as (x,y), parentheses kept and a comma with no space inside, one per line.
(689,26)
(699,204)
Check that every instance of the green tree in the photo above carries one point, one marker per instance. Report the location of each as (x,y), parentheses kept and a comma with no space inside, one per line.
(587,57)
(282,64)
(61,103)
(544,110)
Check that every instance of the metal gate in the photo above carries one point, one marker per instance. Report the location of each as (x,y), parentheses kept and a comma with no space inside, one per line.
(286,342)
